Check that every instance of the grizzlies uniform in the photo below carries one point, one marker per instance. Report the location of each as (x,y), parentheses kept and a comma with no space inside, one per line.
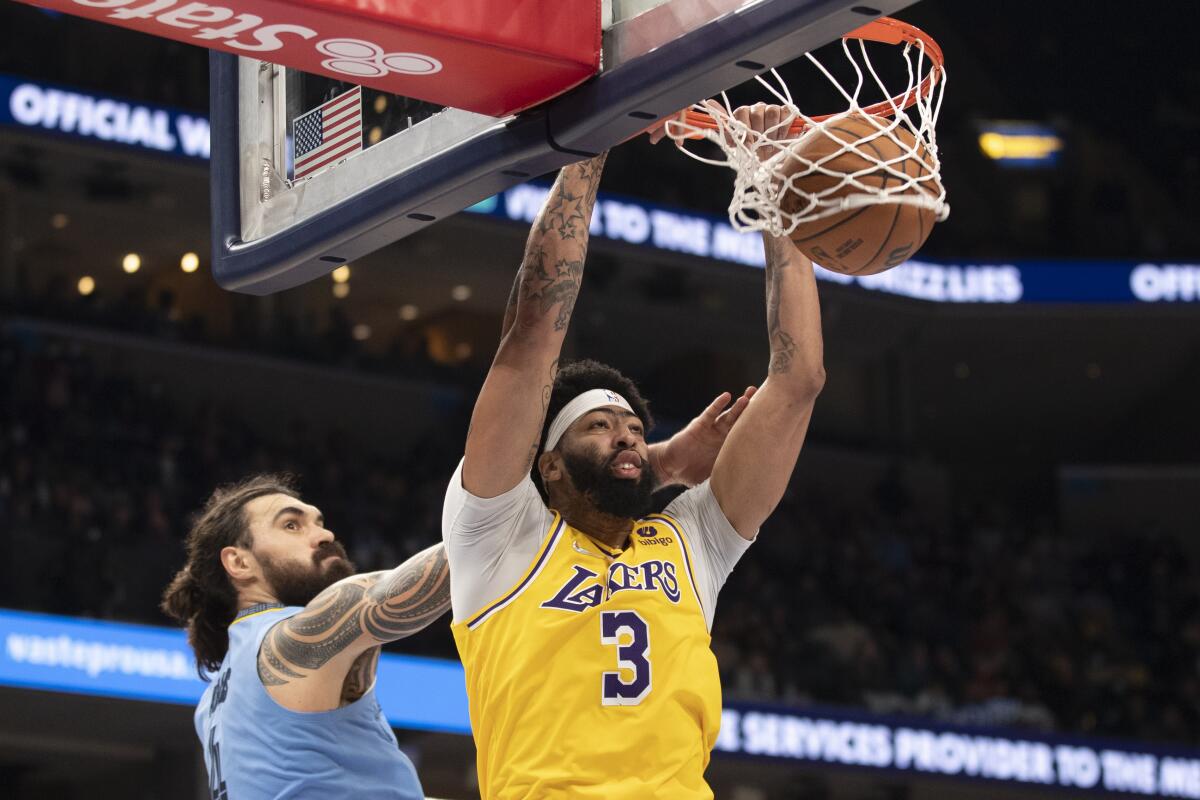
(255,749)
(589,672)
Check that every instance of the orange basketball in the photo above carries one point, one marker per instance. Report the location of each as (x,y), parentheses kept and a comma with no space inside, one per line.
(868,239)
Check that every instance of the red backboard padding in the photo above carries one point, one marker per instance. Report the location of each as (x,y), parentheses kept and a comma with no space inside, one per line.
(489,56)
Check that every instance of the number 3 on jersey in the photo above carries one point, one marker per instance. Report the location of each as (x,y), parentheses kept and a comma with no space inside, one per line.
(631,636)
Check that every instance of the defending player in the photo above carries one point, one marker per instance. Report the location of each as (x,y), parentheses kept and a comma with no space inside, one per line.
(291,639)
(584,627)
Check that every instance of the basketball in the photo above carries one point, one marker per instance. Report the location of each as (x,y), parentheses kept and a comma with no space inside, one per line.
(868,239)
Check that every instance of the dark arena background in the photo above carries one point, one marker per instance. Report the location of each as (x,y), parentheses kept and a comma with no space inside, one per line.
(984,580)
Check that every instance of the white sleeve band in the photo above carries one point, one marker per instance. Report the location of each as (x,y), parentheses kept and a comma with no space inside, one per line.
(490,542)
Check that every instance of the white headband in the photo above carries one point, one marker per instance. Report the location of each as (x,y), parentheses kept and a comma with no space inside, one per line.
(588,401)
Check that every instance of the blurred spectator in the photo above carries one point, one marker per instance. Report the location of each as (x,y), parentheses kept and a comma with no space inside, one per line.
(992,621)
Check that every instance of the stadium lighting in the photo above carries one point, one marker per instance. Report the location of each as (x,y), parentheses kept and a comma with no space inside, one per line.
(1020,144)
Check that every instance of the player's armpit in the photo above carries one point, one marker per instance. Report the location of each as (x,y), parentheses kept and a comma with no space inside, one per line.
(360,677)
(305,660)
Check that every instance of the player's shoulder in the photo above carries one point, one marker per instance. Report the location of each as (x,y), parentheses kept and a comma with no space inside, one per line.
(458,493)
(465,516)
(262,615)
(689,503)
(697,512)
(251,629)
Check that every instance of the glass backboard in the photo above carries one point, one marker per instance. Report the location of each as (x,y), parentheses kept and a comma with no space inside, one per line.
(309,172)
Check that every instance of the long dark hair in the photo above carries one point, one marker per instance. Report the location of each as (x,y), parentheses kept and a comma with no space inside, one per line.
(201,597)
(574,379)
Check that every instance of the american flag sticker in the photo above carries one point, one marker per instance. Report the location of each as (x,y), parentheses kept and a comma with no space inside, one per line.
(328,134)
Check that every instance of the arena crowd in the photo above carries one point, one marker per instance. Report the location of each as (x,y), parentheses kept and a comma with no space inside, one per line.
(990,619)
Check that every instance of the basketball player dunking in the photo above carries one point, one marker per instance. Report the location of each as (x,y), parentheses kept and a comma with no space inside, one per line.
(583,624)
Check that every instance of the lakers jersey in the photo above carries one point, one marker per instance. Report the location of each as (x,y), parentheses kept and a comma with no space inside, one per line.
(592,675)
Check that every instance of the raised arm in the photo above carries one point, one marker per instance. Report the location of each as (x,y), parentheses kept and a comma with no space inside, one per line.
(756,461)
(325,655)
(506,425)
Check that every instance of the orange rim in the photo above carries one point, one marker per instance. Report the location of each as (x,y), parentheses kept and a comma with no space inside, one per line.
(887,31)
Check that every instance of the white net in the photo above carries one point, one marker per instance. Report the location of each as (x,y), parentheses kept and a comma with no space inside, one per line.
(796,172)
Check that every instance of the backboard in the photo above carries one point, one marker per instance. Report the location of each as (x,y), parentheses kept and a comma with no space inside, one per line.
(387,165)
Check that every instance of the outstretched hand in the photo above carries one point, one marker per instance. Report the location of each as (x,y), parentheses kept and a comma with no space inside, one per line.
(688,456)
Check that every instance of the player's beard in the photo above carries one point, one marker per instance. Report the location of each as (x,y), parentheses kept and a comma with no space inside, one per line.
(620,497)
(296,583)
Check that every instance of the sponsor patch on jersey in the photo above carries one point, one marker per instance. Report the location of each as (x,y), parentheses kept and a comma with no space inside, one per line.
(651,536)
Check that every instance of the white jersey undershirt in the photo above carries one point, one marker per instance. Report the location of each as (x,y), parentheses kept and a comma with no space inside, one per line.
(490,542)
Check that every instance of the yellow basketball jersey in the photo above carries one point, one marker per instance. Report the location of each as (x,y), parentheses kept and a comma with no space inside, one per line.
(593,676)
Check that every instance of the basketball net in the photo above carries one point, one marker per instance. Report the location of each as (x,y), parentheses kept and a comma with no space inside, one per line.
(769,166)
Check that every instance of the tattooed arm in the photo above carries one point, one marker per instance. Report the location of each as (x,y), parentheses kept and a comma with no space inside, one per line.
(507,422)
(756,462)
(325,656)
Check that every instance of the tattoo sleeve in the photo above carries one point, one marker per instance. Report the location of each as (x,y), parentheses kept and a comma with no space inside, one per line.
(409,597)
(783,345)
(366,609)
(551,272)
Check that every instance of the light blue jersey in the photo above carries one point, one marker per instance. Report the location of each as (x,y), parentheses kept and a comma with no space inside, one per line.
(255,749)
